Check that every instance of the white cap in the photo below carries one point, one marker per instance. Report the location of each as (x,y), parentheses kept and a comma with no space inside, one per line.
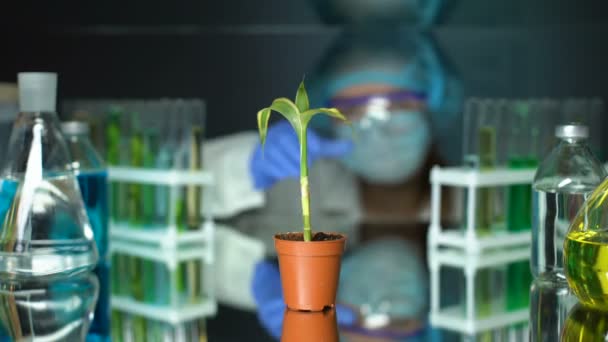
(75,128)
(37,91)
(572,131)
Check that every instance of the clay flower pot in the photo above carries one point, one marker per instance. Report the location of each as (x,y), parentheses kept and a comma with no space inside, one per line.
(320,326)
(309,271)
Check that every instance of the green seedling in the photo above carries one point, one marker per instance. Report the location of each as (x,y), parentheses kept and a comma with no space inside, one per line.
(299,115)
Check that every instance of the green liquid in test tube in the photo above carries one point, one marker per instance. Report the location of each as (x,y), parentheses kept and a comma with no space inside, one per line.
(135,217)
(139,329)
(148,211)
(519,203)
(113,157)
(117,197)
(134,203)
(117,328)
(484,219)
(150,148)
(519,218)
(193,208)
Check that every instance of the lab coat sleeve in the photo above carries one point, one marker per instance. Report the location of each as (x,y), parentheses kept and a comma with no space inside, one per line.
(227,158)
(236,253)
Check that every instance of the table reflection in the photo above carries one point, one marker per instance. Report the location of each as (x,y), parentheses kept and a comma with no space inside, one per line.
(48,310)
(585,324)
(302,326)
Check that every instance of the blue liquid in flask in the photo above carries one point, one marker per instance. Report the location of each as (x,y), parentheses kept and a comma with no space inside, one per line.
(94,190)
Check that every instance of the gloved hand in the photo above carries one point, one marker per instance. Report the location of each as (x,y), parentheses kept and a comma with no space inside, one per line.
(268,295)
(280,157)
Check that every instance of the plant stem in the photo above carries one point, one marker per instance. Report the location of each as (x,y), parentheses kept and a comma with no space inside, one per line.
(304,188)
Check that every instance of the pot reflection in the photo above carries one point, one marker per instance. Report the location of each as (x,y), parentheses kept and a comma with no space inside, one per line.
(585,324)
(48,310)
(303,326)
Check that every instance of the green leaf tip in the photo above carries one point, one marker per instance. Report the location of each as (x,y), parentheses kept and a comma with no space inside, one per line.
(302,101)
(263,116)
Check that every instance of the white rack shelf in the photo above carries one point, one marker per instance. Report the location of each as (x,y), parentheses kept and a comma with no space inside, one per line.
(471,263)
(169,256)
(451,318)
(167,314)
(467,177)
(165,237)
(458,239)
(159,177)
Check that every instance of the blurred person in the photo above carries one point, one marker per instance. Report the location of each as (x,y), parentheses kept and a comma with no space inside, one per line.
(392,87)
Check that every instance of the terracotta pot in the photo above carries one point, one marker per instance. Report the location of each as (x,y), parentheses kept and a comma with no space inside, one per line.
(300,326)
(309,272)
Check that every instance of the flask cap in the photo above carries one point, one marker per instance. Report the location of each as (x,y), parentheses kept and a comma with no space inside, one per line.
(572,131)
(37,91)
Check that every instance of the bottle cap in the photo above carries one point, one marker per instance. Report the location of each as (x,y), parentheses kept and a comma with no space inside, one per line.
(37,91)
(75,128)
(572,131)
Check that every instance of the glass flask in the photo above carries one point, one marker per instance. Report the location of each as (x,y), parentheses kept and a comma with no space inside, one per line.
(45,229)
(585,324)
(48,309)
(586,251)
(563,181)
(92,179)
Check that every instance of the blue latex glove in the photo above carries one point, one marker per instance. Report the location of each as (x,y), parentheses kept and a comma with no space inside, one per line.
(280,157)
(268,296)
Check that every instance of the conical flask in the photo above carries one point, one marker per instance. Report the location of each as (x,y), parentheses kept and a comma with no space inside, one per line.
(45,229)
(586,251)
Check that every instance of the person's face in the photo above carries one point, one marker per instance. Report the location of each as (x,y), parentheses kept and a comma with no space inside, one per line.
(391,131)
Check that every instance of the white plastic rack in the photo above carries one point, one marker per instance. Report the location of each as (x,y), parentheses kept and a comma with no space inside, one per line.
(467,251)
(167,245)
(471,180)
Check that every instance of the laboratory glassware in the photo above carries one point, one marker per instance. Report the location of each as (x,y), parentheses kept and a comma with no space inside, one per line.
(92,178)
(563,181)
(46,232)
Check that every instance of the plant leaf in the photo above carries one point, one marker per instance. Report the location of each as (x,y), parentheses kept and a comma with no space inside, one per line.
(333,112)
(289,110)
(302,98)
(263,116)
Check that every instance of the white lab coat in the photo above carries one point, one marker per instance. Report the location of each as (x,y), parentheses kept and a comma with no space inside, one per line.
(249,218)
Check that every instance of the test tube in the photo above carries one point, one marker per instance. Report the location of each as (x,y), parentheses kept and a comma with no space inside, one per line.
(488,280)
(472,108)
(519,200)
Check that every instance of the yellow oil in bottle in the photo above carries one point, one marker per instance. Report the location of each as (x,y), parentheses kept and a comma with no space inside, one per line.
(587,267)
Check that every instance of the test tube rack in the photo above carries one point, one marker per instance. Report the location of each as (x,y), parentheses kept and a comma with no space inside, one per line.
(167,245)
(471,253)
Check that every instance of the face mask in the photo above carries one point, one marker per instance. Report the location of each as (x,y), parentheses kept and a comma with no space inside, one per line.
(388,151)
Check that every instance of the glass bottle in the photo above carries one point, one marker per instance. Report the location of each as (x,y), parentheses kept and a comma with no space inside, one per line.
(563,181)
(46,232)
(92,178)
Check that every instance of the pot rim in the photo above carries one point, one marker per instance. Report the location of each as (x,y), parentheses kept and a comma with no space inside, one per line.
(342,238)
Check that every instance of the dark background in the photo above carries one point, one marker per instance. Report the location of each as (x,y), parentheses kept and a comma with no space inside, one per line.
(239,54)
